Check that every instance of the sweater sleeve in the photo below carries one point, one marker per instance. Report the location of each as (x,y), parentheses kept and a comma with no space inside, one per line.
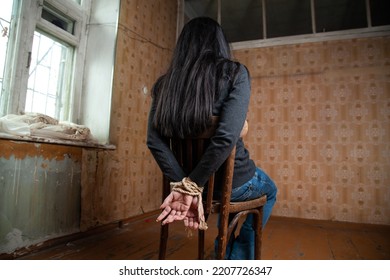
(161,151)
(231,120)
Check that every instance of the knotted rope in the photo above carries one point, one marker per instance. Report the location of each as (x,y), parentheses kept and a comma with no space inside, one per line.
(187,186)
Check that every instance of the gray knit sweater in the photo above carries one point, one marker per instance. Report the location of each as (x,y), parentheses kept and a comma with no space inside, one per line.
(231,107)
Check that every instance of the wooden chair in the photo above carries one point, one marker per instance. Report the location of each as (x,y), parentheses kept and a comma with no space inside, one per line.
(188,152)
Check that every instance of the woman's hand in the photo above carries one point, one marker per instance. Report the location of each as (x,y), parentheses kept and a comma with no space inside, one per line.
(178,206)
(175,207)
(192,218)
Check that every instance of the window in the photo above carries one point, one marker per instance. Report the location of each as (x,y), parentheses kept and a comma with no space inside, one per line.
(42,57)
(49,62)
(340,15)
(286,18)
(50,74)
(243,22)
(207,8)
(380,10)
(5,22)
(264,19)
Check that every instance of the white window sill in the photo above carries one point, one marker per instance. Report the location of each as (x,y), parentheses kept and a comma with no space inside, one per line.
(39,128)
(81,144)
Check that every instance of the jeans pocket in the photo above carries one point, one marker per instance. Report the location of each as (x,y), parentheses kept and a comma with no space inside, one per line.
(243,192)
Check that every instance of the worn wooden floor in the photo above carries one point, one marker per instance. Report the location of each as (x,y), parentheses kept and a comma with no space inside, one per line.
(283,239)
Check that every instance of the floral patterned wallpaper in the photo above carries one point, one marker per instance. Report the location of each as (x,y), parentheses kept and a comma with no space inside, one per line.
(320,126)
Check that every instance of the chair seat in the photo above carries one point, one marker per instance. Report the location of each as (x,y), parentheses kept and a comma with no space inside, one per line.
(239,206)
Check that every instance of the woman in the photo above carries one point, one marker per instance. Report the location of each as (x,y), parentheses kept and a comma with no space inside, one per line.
(203,81)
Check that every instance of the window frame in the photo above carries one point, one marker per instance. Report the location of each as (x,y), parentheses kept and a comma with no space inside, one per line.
(27,21)
(369,31)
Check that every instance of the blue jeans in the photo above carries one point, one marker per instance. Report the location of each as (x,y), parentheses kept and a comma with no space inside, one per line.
(242,246)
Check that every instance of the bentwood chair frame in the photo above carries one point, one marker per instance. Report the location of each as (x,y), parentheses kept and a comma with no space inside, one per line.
(188,152)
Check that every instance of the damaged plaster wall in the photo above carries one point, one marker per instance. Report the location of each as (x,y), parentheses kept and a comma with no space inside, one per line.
(39,193)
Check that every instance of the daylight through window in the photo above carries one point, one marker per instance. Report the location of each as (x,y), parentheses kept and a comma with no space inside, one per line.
(42,57)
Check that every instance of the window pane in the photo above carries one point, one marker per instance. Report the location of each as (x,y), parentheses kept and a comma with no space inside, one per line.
(197,8)
(288,17)
(380,12)
(58,18)
(5,20)
(242,20)
(340,15)
(48,90)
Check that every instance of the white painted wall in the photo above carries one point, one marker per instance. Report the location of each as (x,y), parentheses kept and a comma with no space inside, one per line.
(99,66)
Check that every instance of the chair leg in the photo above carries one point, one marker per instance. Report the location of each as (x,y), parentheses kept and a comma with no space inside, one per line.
(258,232)
(164,230)
(222,236)
(200,244)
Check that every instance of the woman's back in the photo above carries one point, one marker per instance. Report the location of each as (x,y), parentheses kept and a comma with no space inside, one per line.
(200,66)
(203,81)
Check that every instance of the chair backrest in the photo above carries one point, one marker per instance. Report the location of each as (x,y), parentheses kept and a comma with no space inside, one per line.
(189,151)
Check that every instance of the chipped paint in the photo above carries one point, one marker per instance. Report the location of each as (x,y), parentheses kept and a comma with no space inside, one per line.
(21,150)
(40,186)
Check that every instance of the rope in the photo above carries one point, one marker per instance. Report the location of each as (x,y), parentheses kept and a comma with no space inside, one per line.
(187,186)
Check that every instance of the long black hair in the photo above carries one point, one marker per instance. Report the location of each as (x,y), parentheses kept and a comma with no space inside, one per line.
(185,95)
